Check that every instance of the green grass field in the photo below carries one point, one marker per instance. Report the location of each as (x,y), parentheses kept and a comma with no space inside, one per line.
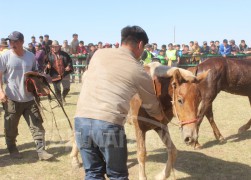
(231,160)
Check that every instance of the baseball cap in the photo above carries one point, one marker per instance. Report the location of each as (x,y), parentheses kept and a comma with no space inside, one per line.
(65,41)
(204,42)
(225,40)
(90,44)
(46,35)
(15,35)
(232,41)
(148,46)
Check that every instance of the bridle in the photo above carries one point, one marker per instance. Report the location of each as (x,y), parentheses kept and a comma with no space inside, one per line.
(181,123)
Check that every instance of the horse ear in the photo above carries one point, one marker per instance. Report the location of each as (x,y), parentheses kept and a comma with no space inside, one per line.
(202,76)
(177,78)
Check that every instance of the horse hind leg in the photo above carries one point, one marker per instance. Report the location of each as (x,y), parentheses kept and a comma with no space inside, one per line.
(246,126)
(171,151)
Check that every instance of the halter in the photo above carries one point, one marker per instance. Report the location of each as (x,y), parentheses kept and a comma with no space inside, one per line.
(181,123)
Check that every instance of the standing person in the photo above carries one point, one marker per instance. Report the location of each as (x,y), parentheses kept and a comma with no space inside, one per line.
(196,50)
(33,41)
(90,54)
(59,67)
(172,56)
(234,48)
(31,48)
(104,101)
(155,50)
(217,44)
(40,57)
(100,45)
(17,101)
(147,55)
(116,45)
(74,46)
(41,39)
(204,51)
(225,48)
(46,44)
(66,47)
(243,46)
(81,54)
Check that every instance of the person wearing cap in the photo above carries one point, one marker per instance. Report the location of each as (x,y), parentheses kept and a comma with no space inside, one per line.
(104,101)
(40,57)
(243,46)
(204,50)
(3,46)
(66,47)
(59,66)
(116,45)
(107,45)
(46,44)
(225,48)
(147,55)
(234,48)
(92,50)
(33,41)
(16,100)
(172,56)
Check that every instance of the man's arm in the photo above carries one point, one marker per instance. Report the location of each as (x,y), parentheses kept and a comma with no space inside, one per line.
(3,97)
(150,103)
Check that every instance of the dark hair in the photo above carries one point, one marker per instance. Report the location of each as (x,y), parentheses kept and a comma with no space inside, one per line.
(178,45)
(41,37)
(192,42)
(74,35)
(186,46)
(133,34)
(163,46)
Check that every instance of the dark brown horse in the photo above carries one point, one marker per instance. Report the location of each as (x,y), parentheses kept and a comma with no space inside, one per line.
(226,74)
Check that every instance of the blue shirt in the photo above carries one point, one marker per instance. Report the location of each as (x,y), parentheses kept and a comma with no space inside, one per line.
(13,68)
(225,50)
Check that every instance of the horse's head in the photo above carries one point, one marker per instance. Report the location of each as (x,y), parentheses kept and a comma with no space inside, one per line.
(186,99)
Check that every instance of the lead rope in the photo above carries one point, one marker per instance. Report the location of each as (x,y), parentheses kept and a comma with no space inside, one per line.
(175,110)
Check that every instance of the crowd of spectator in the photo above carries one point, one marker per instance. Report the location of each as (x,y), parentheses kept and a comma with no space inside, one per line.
(167,55)
(175,54)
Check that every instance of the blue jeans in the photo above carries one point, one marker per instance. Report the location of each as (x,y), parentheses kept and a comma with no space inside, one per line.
(103,149)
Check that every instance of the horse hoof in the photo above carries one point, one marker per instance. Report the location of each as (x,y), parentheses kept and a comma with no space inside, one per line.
(142,178)
(161,176)
(197,147)
(222,140)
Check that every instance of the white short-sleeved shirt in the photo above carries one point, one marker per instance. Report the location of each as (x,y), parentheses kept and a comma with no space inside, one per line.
(13,68)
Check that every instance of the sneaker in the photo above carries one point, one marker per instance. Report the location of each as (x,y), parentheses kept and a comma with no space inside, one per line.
(43,155)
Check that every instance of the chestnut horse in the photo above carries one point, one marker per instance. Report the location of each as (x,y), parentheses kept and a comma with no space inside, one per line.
(226,74)
(178,94)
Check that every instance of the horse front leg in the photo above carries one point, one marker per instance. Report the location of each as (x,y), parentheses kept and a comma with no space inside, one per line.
(171,151)
(210,117)
(245,127)
(141,152)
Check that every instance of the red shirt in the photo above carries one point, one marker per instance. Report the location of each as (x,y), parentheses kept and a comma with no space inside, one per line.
(81,50)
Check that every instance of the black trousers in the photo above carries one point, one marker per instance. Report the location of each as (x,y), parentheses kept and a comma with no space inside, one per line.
(13,112)
(66,87)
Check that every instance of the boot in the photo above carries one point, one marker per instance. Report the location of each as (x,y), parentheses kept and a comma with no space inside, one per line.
(42,154)
(14,153)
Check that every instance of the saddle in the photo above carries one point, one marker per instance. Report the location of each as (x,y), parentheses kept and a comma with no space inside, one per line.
(37,84)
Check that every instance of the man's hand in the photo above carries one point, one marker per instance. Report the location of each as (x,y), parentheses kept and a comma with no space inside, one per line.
(67,68)
(3,97)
